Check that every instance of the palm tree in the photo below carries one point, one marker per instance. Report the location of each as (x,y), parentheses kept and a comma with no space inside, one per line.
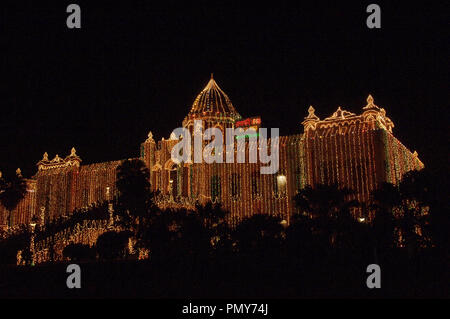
(214,219)
(415,194)
(402,208)
(259,233)
(437,184)
(13,188)
(211,214)
(384,200)
(329,209)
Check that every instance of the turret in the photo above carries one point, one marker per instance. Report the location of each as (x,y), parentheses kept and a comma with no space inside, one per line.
(310,121)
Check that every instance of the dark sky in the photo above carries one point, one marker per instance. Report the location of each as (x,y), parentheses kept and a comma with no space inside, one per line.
(137,66)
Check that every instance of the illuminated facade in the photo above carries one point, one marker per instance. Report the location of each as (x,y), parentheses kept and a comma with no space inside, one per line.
(354,151)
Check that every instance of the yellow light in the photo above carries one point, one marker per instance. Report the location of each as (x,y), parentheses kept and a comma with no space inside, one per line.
(281,179)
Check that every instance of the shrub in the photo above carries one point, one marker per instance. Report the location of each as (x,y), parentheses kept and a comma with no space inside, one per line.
(112,245)
(77,252)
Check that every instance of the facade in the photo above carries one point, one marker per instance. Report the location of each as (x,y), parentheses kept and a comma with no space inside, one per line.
(354,151)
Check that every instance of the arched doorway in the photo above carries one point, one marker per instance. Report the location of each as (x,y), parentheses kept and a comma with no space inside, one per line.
(172,178)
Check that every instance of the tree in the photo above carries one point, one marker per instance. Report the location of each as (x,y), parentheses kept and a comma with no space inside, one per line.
(259,233)
(299,234)
(211,214)
(77,252)
(437,184)
(329,209)
(11,244)
(402,212)
(414,220)
(134,191)
(384,201)
(13,188)
(112,245)
(155,235)
(191,237)
(213,217)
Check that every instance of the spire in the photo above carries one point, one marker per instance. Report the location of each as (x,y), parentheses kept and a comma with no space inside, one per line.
(311,114)
(373,112)
(73,159)
(370,103)
(45,157)
(213,104)
(150,137)
(311,120)
(18,172)
(173,136)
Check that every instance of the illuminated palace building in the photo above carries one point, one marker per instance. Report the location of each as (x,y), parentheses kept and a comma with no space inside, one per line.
(354,151)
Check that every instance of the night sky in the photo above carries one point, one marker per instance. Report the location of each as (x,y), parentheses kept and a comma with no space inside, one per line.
(137,66)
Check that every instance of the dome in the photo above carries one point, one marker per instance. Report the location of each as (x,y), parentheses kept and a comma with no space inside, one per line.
(212,104)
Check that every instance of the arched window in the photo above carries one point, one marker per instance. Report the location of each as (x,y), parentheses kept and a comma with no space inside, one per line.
(156,181)
(173,181)
(280,185)
(215,188)
(255,184)
(185,181)
(235,185)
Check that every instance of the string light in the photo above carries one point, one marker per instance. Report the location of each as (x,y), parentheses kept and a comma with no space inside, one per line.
(354,151)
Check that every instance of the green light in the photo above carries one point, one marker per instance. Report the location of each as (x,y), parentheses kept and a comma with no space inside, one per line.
(244,136)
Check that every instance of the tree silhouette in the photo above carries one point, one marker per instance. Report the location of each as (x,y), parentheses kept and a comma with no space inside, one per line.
(402,213)
(18,239)
(192,238)
(258,234)
(134,191)
(299,236)
(112,245)
(328,208)
(13,188)
(77,252)
(414,220)
(437,186)
(155,235)
(213,217)
(383,202)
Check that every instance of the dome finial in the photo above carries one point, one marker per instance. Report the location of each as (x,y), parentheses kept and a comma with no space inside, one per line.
(370,104)
(173,136)
(311,114)
(213,103)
